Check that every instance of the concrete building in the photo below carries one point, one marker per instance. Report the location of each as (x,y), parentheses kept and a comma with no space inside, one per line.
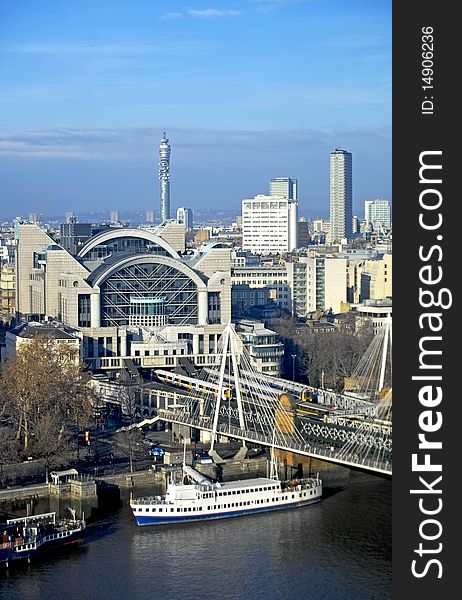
(74,235)
(303,233)
(317,284)
(23,334)
(369,277)
(149,217)
(265,350)
(7,293)
(284,187)
(341,195)
(257,285)
(115,216)
(375,312)
(184,216)
(124,281)
(377,210)
(269,224)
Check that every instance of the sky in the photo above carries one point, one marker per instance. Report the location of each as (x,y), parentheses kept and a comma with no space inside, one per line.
(246,90)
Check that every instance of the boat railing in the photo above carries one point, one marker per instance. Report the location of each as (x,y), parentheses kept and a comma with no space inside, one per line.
(151,500)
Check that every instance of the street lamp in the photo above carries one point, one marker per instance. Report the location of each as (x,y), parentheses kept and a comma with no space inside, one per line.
(294,356)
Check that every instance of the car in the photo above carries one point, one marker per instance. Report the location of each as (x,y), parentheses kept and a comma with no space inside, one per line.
(204,459)
(156,451)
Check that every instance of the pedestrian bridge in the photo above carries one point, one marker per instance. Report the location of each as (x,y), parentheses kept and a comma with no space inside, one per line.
(234,401)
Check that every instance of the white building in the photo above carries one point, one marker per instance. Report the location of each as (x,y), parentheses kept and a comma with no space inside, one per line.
(269,224)
(341,195)
(377,210)
(184,216)
(317,284)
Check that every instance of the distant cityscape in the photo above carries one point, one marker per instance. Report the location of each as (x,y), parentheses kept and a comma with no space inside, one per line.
(76,271)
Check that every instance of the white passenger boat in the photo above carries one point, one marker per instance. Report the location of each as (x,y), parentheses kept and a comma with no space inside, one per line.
(198,498)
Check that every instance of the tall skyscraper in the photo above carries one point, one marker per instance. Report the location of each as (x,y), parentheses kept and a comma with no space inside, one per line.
(149,216)
(269,224)
(70,217)
(377,210)
(341,195)
(164,176)
(114,216)
(283,186)
(185,216)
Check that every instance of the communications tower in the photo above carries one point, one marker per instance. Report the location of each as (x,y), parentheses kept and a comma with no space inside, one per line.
(164,177)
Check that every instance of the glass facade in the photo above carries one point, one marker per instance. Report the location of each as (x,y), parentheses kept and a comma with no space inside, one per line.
(123,244)
(148,294)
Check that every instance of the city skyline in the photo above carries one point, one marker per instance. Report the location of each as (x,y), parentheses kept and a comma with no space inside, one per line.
(87,98)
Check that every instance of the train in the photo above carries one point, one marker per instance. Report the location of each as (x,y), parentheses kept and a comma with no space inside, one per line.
(308,394)
(191,383)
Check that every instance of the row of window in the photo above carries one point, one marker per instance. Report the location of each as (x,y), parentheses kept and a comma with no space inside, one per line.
(220,506)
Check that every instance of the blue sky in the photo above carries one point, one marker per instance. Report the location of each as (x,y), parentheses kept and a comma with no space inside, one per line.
(246,90)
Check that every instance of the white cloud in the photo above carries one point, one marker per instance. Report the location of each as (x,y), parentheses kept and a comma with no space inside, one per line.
(170,16)
(210,13)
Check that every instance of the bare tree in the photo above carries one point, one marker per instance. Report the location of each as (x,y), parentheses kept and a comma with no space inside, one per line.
(130,444)
(9,448)
(50,441)
(326,357)
(44,383)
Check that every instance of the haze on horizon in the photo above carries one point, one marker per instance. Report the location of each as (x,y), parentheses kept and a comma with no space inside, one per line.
(246,90)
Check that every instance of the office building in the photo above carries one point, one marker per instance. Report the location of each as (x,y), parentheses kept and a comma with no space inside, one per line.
(303,233)
(185,216)
(318,283)
(74,235)
(377,210)
(341,195)
(269,224)
(283,186)
(115,216)
(149,216)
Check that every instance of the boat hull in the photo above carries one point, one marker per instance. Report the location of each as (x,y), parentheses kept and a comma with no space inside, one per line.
(8,555)
(144,520)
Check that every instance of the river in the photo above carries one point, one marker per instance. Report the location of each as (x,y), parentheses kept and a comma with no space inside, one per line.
(337,549)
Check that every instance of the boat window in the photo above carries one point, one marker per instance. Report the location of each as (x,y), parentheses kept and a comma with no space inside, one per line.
(234,491)
(171,510)
(194,508)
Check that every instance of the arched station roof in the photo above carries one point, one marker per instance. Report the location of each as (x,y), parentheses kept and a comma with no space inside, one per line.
(114,234)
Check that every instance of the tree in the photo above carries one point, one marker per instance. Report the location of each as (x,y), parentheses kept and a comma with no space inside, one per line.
(46,392)
(50,441)
(130,444)
(9,448)
(326,357)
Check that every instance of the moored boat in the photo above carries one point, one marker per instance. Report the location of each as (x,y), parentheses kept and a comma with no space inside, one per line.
(198,498)
(24,537)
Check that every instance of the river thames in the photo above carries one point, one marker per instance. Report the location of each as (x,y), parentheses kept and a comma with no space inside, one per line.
(337,549)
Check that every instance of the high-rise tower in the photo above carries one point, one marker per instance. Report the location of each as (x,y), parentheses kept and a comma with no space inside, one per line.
(341,195)
(164,176)
(283,186)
